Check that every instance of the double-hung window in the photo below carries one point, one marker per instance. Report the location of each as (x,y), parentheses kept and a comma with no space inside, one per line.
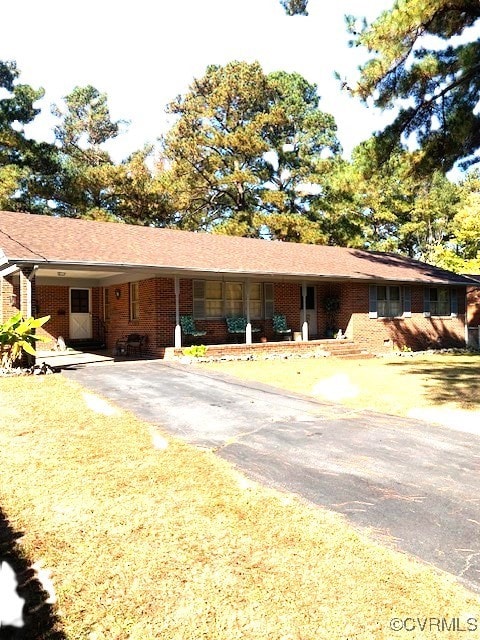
(207,298)
(440,301)
(134,301)
(389,301)
(217,299)
(233,299)
(256,300)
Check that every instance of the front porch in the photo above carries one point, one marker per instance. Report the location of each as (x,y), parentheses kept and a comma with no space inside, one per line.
(72,358)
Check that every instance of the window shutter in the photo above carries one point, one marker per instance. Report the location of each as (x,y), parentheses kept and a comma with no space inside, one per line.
(372,308)
(454,303)
(268,292)
(199,298)
(426,302)
(407,302)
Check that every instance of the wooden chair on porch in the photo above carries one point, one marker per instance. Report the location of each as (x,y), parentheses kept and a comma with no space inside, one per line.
(280,327)
(189,329)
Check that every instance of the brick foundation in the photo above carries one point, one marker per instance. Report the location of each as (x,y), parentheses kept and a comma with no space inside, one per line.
(280,349)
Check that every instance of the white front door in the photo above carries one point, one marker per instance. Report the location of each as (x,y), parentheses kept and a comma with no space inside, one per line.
(311,308)
(80,315)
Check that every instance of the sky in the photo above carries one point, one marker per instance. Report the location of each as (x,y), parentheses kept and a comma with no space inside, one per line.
(144,53)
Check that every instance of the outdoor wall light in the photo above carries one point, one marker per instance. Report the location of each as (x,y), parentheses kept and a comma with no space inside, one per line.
(12,298)
(118,294)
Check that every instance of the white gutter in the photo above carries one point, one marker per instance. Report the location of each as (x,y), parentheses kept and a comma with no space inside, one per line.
(29,290)
(9,270)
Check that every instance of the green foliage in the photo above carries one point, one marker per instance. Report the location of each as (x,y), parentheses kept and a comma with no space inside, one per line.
(425,63)
(85,123)
(27,168)
(243,146)
(88,173)
(331,305)
(216,147)
(391,206)
(140,193)
(295,7)
(195,351)
(90,184)
(17,335)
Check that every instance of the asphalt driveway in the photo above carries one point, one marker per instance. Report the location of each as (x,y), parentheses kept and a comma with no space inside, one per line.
(417,486)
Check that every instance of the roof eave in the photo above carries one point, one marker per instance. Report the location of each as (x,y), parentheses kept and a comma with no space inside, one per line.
(206,271)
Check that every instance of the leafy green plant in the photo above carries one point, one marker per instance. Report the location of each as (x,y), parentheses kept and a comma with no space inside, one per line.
(17,335)
(195,351)
(331,306)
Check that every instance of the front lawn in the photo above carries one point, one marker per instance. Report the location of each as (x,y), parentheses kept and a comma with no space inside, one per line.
(147,537)
(410,384)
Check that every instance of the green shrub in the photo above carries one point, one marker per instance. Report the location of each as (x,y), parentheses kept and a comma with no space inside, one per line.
(195,351)
(17,335)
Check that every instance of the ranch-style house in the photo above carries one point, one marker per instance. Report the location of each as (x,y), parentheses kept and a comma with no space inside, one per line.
(102,281)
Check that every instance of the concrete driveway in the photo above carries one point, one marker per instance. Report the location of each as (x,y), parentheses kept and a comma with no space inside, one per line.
(416,485)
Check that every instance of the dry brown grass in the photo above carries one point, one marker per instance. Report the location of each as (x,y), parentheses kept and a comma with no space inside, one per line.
(395,385)
(174,544)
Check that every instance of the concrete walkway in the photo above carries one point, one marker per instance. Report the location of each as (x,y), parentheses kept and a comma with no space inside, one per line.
(415,485)
(71,358)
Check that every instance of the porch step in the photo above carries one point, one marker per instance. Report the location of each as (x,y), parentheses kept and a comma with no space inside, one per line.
(347,349)
(358,355)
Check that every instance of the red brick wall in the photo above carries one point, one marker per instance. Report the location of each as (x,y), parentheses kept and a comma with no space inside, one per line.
(119,325)
(54,301)
(8,288)
(417,332)
(157,315)
(287,301)
(473,306)
(376,335)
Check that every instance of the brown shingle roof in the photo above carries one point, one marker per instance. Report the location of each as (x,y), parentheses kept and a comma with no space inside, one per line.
(39,239)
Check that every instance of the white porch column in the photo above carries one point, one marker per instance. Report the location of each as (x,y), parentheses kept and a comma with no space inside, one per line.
(178,328)
(31,291)
(27,290)
(305,322)
(248,330)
